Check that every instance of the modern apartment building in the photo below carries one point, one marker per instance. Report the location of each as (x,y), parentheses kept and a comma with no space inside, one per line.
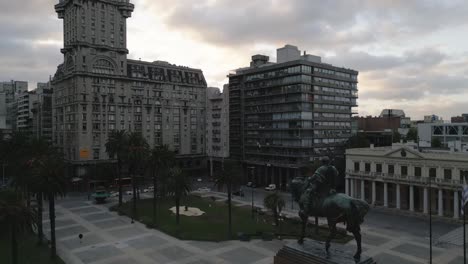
(42,112)
(284,115)
(11,91)
(97,89)
(24,115)
(402,177)
(217,127)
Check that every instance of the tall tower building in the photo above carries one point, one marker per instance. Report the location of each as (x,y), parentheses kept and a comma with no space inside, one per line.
(97,89)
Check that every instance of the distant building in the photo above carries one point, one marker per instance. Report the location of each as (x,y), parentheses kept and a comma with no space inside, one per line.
(217,127)
(378,128)
(450,135)
(284,115)
(392,113)
(398,177)
(42,112)
(24,111)
(378,138)
(3,111)
(459,119)
(11,91)
(433,119)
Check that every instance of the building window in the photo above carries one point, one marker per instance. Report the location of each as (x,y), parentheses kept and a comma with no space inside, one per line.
(417,171)
(378,168)
(433,173)
(447,174)
(463,175)
(404,170)
(356,166)
(367,167)
(391,169)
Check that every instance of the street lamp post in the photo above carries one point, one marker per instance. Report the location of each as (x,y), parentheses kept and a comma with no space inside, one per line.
(3,174)
(252,189)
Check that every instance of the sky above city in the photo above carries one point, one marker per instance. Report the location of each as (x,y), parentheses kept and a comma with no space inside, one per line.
(411,55)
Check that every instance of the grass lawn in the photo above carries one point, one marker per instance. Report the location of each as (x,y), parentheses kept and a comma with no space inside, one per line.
(28,251)
(212,226)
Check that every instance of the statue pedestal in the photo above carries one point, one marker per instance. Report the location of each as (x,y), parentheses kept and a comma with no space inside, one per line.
(313,252)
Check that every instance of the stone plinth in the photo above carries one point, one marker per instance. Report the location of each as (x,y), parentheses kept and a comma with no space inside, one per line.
(313,252)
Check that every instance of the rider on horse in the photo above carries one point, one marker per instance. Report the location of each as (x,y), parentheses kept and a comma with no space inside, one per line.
(322,183)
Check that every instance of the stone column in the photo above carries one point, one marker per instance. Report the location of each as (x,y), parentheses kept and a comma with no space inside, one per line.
(363,191)
(347,186)
(441,203)
(280,170)
(398,204)
(456,208)
(272,176)
(411,198)
(373,192)
(425,201)
(352,187)
(385,194)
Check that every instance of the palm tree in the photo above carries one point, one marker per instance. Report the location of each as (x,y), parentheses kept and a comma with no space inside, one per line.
(275,203)
(16,216)
(161,159)
(50,179)
(39,148)
(137,151)
(116,146)
(229,176)
(179,185)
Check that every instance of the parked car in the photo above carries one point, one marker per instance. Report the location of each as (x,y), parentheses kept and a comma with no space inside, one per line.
(151,188)
(129,192)
(270,187)
(251,184)
(238,193)
(204,189)
(114,194)
(199,180)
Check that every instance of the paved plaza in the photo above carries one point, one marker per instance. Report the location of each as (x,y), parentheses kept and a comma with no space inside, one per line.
(110,238)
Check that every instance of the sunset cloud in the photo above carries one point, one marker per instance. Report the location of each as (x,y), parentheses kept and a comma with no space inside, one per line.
(410,54)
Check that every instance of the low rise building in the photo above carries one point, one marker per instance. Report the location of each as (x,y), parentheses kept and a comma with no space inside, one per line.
(405,178)
(451,135)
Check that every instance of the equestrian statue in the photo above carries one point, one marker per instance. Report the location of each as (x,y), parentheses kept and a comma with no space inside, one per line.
(317,196)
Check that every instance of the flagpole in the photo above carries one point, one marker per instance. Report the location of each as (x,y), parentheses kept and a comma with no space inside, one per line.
(430,221)
(463,200)
(464,235)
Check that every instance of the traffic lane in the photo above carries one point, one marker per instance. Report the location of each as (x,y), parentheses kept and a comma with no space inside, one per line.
(390,222)
(413,225)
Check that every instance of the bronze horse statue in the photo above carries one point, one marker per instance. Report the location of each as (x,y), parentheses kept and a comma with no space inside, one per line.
(316,196)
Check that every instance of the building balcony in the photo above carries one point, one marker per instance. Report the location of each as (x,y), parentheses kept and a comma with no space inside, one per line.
(339,111)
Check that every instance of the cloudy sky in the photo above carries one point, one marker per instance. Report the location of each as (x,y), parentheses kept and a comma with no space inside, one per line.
(411,55)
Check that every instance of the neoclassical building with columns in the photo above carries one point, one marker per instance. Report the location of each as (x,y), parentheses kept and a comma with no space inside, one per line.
(405,178)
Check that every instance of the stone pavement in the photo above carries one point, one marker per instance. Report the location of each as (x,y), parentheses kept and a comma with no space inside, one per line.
(110,238)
